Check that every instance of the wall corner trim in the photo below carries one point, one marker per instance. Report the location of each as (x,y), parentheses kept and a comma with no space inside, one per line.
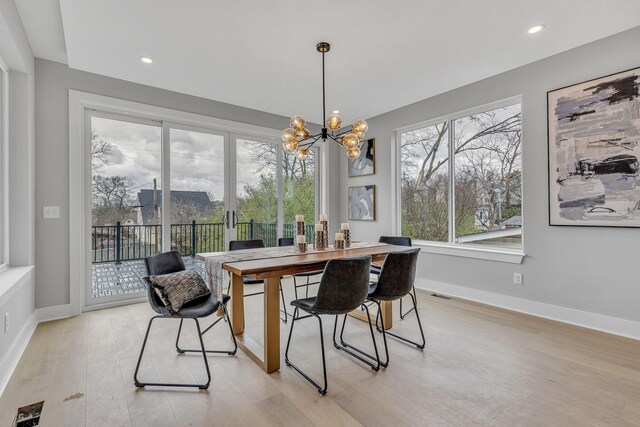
(54,312)
(10,362)
(585,319)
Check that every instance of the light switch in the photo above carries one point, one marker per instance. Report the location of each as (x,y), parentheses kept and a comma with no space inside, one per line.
(51,212)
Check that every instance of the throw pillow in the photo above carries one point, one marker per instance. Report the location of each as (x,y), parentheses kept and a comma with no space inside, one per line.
(180,288)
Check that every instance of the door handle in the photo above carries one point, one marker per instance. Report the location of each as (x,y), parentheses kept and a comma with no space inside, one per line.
(226,219)
(235,219)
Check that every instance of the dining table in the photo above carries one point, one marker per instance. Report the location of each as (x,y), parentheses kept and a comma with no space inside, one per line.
(270,265)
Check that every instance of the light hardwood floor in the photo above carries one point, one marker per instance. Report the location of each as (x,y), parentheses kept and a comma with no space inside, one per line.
(482,366)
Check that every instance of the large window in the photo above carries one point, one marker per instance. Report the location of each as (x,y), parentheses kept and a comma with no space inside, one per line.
(461,179)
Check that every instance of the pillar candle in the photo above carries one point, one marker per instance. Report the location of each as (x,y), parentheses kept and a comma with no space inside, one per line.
(344,226)
(319,227)
(339,236)
(300,238)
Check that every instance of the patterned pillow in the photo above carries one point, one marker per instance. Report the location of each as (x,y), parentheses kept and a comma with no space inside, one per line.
(180,288)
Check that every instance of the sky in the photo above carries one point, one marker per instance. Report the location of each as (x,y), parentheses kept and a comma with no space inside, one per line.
(197,159)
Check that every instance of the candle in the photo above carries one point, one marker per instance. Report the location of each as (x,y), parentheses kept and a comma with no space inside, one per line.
(300,238)
(344,226)
(339,236)
(324,217)
(299,218)
(319,227)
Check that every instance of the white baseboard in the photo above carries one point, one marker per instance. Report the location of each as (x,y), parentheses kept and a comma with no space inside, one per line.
(599,322)
(54,312)
(13,355)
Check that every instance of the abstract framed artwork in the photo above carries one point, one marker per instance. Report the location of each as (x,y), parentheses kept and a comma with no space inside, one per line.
(365,164)
(594,147)
(362,203)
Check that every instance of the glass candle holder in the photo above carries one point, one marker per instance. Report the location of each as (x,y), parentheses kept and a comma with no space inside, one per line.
(301,247)
(319,241)
(338,244)
(347,238)
(300,228)
(325,225)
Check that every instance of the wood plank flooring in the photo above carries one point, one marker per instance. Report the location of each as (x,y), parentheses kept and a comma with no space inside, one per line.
(482,366)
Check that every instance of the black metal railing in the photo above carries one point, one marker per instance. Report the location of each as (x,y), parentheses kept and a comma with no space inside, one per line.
(116,243)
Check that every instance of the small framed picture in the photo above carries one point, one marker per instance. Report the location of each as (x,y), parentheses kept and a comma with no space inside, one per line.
(362,203)
(366,163)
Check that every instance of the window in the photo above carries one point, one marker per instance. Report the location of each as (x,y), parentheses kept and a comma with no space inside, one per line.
(4,173)
(461,179)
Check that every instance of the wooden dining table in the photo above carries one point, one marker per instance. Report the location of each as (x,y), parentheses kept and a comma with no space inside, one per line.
(271,270)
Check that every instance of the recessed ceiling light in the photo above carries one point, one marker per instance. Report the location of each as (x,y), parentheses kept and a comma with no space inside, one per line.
(536,29)
(146,60)
(335,112)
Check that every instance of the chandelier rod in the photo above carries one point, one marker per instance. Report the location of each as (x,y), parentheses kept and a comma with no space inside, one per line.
(324,108)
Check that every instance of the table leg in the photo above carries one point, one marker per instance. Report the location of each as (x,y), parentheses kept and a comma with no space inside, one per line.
(387,314)
(272,324)
(386,311)
(237,304)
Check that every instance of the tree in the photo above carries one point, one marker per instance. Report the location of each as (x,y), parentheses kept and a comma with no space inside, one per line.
(264,154)
(112,199)
(100,151)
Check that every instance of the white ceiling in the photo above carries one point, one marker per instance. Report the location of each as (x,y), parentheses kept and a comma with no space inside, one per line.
(261,54)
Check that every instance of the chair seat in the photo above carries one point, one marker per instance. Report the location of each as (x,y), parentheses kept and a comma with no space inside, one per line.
(304,303)
(198,309)
(375,270)
(309,273)
(250,281)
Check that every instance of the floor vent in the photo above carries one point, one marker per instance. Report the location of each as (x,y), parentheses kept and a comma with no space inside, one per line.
(441,296)
(29,415)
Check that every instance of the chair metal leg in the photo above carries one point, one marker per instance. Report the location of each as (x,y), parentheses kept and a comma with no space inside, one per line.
(403,315)
(346,347)
(418,345)
(321,390)
(384,333)
(284,306)
(141,384)
(295,287)
(233,337)
(306,289)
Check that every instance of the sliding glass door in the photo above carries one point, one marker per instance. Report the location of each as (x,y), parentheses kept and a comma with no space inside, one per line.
(198,182)
(126,202)
(158,186)
(256,190)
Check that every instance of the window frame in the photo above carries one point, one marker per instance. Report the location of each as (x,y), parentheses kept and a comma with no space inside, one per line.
(4,166)
(451,247)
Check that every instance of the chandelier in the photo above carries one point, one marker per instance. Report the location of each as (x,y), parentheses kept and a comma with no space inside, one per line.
(298,140)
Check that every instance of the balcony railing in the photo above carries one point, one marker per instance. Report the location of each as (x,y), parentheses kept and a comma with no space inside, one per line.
(116,243)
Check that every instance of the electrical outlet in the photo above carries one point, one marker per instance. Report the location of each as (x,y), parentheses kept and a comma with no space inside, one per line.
(517,278)
(6,322)
(51,212)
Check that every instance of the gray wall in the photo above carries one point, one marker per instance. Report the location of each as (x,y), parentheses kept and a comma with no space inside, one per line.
(590,269)
(53,82)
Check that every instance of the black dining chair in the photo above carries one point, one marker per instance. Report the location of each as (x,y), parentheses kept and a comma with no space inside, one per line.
(398,241)
(343,288)
(167,263)
(236,245)
(288,241)
(396,281)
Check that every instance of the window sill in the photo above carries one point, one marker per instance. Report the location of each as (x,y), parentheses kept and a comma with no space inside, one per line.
(499,255)
(11,280)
